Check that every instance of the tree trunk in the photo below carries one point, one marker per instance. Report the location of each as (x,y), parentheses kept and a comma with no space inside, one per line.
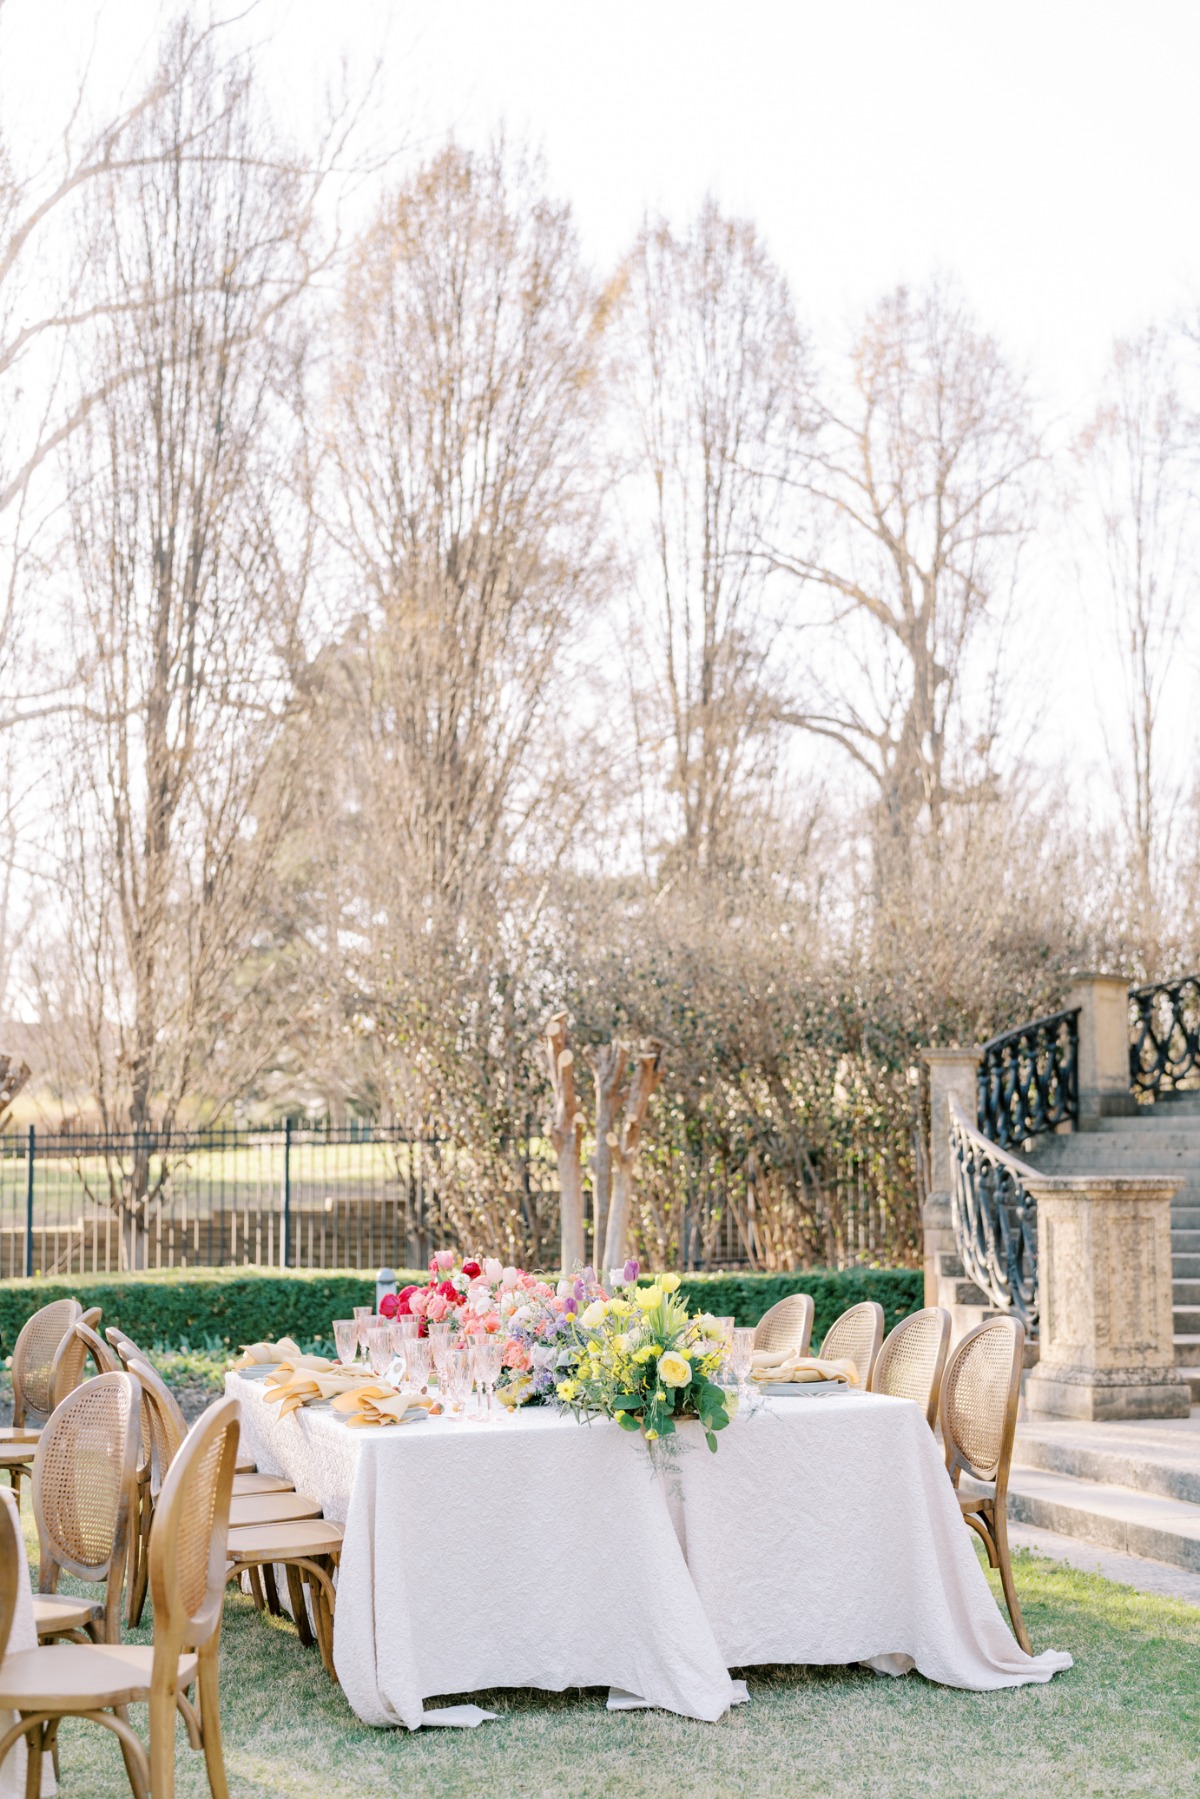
(625,1150)
(566,1134)
(609,1063)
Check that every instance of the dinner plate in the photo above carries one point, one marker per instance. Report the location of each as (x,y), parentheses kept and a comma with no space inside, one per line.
(803,1389)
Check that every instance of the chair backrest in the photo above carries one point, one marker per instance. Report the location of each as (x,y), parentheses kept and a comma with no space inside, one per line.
(189,1535)
(168,1426)
(85,1485)
(13,1568)
(855,1337)
(33,1357)
(71,1356)
(981,1390)
(910,1364)
(786,1325)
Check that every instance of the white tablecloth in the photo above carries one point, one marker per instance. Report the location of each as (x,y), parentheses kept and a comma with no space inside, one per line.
(23,1635)
(538,1552)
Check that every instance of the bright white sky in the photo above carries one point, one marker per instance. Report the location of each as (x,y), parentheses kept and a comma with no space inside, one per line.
(1047,152)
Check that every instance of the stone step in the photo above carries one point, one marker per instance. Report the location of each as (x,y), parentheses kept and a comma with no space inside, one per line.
(1192,1377)
(1185,1292)
(1187,1349)
(1185,1266)
(1136,1151)
(1118,1517)
(1162,1457)
(1175,1105)
(1185,1242)
(1185,1218)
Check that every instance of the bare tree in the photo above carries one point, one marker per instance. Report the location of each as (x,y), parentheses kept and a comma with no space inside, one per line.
(1138,460)
(189,562)
(919,488)
(712,364)
(566,1133)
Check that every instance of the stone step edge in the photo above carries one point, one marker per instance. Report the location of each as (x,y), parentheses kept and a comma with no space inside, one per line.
(1134,1468)
(1161,1529)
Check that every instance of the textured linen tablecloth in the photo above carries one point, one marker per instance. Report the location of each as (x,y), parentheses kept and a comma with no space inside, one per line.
(23,1635)
(539,1552)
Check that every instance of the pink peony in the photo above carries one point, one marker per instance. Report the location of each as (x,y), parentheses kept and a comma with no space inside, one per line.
(437,1308)
(389,1305)
(418,1301)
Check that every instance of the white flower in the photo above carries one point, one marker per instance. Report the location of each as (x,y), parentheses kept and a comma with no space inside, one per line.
(492,1270)
(565,1287)
(480,1299)
(508,1279)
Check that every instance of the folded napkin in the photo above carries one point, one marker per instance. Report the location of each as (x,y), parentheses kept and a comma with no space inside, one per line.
(771,1365)
(254,1354)
(380,1405)
(290,1388)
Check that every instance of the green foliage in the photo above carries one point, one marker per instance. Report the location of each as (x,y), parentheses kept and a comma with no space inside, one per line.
(241,1305)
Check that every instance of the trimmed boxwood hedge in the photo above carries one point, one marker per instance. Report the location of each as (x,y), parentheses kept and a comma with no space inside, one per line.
(239,1305)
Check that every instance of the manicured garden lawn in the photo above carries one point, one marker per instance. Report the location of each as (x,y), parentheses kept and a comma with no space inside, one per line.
(1125,1719)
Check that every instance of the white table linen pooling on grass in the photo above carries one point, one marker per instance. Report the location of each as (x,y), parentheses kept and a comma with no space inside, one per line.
(540,1552)
(23,1635)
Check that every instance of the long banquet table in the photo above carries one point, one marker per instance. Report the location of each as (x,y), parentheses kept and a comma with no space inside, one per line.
(540,1552)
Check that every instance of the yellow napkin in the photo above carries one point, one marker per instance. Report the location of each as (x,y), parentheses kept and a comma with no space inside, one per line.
(785,1365)
(254,1354)
(296,1387)
(380,1405)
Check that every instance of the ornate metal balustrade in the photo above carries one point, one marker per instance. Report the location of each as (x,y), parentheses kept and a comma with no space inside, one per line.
(995,1220)
(1029,1079)
(1164,1035)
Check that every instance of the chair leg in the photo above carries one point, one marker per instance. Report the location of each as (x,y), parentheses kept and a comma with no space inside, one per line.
(162,1745)
(270,1590)
(33,1761)
(256,1588)
(299,1601)
(1004,1561)
(140,1579)
(210,1717)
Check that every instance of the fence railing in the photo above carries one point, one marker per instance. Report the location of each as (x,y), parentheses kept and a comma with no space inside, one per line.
(360,1196)
(1028,1079)
(1164,1035)
(995,1220)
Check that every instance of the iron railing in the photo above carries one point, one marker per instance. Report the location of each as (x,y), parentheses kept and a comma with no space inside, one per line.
(1028,1079)
(1164,1035)
(995,1220)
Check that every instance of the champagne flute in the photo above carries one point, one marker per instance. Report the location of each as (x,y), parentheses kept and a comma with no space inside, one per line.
(362,1316)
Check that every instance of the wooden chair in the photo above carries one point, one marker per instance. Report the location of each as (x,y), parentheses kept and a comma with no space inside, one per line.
(910,1364)
(308,1550)
(127,1349)
(32,1381)
(981,1390)
(84,1504)
(101,1681)
(855,1337)
(786,1325)
(70,1359)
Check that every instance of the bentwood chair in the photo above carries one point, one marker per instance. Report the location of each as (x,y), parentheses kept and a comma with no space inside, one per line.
(786,1325)
(981,1390)
(127,1349)
(910,1364)
(855,1337)
(101,1681)
(33,1382)
(85,1504)
(70,1359)
(308,1550)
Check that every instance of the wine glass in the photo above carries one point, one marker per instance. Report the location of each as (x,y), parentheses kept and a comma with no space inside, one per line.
(440,1342)
(487,1356)
(741,1358)
(454,1377)
(362,1317)
(417,1357)
(379,1346)
(728,1326)
(345,1337)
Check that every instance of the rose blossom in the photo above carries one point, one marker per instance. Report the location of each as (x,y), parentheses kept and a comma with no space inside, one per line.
(418,1301)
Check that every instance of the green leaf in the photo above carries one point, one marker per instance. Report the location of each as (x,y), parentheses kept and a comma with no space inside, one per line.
(627,1421)
(711,1441)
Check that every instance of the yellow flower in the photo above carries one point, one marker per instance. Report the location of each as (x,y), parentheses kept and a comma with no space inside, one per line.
(668,1282)
(567,1389)
(619,1307)
(648,1297)
(646,1354)
(650,1435)
(621,1344)
(593,1315)
(674,1370)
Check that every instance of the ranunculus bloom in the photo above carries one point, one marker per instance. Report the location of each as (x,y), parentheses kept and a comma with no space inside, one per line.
(449,1292)
(418,1302)
(444,1258)
(674,1370)
(389,1305)
(493,1269)
(516,1355)
(472,1270)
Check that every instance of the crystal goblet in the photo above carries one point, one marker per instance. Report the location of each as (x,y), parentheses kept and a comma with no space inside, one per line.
(741,1358)
(417,1359)
(345,1338)
(454,1377)
(487,1357)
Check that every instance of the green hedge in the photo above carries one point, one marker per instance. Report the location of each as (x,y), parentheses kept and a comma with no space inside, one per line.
(240,1305)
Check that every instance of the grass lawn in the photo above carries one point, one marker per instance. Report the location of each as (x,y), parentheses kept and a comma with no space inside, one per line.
(1125,1719)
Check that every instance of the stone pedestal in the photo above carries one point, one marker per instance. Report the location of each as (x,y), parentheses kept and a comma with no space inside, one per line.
(1104,1091)
(1104,1285)
(951,1074)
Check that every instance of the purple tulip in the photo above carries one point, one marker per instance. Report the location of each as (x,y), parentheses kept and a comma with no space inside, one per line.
(630,1272)
(570,1305)
(579,1290)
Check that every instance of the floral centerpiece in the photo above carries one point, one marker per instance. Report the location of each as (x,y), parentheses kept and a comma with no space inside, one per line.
(474,1295)
(642,1358)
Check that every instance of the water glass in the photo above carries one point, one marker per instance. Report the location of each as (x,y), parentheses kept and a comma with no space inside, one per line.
(362,1316)
(345,1338)
(405,1327)
(728,1325)
(487,1360)
(454,1377)
(441,1342)
(741,1358)
(379,1346)
(417,1357)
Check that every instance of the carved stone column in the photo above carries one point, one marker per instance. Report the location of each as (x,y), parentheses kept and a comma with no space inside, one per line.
(1104,1090)
(1104,1289)
(951,1073)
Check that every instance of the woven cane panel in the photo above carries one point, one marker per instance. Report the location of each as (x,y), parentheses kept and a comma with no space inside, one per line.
(976,1397)
(786,1325)
(196,1528)
(851,1338)
(908,1360)
(81,1456)
(47,1329)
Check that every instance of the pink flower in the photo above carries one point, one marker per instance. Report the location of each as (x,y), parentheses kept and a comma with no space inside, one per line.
(516,1356)
(444,1258)
(437,1308)
(508,1280)
(492,1269)
(492,1322)
(419,1301)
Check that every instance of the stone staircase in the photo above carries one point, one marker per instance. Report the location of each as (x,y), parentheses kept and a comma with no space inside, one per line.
(1163,1138)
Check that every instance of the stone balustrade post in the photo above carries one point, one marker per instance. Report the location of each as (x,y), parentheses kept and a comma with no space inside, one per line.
(1104,1283)
(1103,1069)
(951,1075)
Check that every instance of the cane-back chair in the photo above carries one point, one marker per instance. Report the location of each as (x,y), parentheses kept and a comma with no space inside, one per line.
(981,1390)
(855,1337)
(85,1503)
(101,1681)
(910,1364)
(786,1325)
(33,1383)
(128,1351)
(71,1356)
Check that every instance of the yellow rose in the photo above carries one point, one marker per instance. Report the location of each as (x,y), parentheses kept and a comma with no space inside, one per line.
(593,1315)
(648,1297)
(668,1282)
(674,1370)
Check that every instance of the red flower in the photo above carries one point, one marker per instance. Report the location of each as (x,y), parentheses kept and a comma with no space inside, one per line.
(449,1291)
(472,1270)
(389,1305)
